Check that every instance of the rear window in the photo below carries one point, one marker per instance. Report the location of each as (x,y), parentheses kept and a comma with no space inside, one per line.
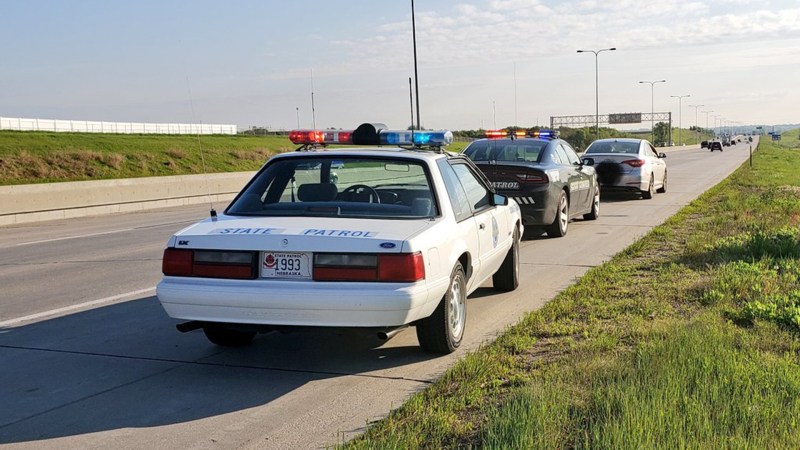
(630,148)
(339,187)
(506,150)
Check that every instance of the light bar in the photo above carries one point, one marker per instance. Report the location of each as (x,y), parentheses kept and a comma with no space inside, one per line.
(544,134)
(321,137)
(406,137)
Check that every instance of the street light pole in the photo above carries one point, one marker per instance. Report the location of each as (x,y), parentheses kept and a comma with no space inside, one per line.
(652,108)
(297,110)
(710,110)
(597,87)
(716,118)
(696,130)
(680,114)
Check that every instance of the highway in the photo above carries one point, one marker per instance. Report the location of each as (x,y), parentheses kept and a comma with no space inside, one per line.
(90,360)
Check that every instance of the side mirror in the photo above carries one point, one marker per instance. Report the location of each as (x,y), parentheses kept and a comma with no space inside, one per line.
(662,155)
(588,161)
(499,200)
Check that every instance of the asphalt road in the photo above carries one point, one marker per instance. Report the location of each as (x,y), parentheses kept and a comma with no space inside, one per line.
(88,359)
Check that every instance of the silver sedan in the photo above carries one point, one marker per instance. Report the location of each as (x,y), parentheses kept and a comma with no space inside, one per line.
(628,165)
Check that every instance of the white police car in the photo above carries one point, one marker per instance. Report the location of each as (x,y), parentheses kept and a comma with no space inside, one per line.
(395,236)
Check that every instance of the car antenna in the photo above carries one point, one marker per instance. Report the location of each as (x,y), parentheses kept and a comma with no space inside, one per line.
(212,212)
(411,99)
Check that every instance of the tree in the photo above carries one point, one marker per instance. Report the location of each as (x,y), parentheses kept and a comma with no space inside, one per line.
(660,134)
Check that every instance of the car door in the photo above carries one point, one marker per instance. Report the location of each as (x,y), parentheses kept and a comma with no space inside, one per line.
(572,175)
(658,164)
(490,227)
(586,178)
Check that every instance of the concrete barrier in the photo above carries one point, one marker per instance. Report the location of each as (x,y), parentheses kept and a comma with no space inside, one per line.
(37,202)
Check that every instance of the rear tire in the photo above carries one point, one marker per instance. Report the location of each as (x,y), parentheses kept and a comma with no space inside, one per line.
(595,212)
(648,194)
(228,337)
(663,188)
(559,226)
(443,330)
(506,278)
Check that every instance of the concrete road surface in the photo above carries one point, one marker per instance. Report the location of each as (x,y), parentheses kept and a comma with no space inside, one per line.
(88,359)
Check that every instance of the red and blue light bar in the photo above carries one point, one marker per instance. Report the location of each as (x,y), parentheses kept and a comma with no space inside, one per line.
(385,137)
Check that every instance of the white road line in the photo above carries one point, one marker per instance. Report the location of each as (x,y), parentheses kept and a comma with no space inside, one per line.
(71,308)
(74,237)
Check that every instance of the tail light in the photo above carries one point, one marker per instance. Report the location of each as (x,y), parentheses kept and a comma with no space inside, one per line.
(208,264)
(634,162)
(395,267)
(532,177)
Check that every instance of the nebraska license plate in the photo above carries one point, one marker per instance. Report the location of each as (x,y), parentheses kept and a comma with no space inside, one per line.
(286,265)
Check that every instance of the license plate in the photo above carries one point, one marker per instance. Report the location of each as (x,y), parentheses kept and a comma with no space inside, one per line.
(505,185)
(286,265)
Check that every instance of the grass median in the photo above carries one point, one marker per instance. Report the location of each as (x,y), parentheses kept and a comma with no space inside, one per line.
(42,157)
(690,338)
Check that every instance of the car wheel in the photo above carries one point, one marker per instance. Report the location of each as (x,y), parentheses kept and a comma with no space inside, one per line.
(559,226)
(443,330)
(507,276)
(648,194)
(663,188)
(595,212)
(228,337)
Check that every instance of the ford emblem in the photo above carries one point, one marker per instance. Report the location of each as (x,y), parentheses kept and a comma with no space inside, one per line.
(388,245)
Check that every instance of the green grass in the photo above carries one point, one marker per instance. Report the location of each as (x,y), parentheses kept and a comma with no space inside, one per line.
(687,339)
(40,157)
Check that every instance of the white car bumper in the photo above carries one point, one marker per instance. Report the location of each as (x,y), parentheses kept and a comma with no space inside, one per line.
(298,303)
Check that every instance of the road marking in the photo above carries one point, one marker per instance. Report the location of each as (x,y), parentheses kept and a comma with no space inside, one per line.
(70,308)
(74,237)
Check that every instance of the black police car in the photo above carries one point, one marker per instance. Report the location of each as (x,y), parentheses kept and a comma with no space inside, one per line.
(543,174)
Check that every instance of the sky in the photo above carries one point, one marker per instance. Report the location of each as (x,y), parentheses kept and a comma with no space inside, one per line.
(481,63)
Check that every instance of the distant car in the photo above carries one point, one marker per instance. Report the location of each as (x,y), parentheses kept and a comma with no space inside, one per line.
(704,144)
(715,145)
(629,165)
(544,175)
(400,239)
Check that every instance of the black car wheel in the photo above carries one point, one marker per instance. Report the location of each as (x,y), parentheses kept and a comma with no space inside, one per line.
(559,226)
(595,212)
(648,194)
(663,185)
(507,277)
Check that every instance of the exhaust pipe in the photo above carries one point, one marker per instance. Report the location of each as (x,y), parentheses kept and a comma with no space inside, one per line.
(189,326)
(385,335)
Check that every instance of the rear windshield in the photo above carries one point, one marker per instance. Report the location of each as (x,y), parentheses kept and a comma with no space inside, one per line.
(506,150)
(630,148)
(339,187)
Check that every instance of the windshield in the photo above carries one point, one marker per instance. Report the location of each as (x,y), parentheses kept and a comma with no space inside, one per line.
(339,187)
(628,148)
(506,150)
